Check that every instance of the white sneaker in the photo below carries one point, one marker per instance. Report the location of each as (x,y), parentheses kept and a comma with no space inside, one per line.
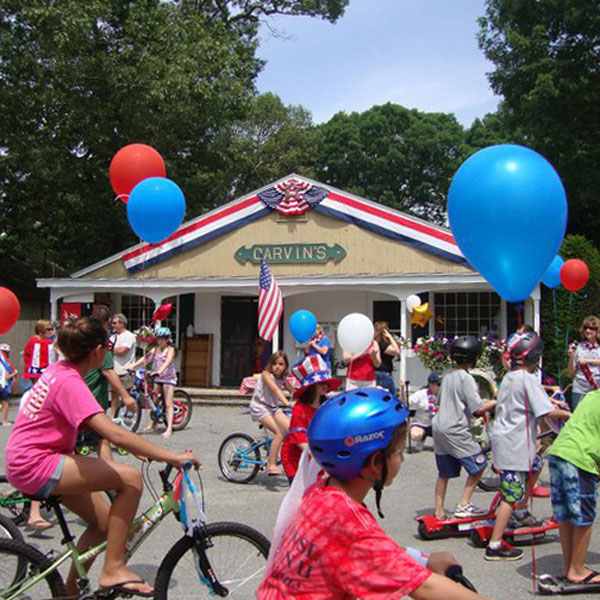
(470,510)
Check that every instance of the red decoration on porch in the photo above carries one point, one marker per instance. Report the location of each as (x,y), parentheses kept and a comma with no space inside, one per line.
(70,310)
(162,312)
(292,196)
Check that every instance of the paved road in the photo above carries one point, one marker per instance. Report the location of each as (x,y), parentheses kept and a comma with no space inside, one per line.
(256,504)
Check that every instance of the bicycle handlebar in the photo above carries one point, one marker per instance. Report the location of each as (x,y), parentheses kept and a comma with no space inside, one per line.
(455,573)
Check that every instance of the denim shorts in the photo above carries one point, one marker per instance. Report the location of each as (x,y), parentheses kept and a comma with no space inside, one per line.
(449,466)
(512,483)
(46,490)
(573,492)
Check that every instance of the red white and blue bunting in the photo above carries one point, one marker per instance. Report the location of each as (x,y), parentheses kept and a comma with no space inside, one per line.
(294,196)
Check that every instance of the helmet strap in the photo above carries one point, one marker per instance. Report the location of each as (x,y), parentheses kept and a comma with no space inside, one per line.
(379,483)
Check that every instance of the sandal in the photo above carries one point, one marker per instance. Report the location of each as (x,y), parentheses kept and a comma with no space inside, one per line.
(586,580)
(273,470)
(121,589)
(39,525)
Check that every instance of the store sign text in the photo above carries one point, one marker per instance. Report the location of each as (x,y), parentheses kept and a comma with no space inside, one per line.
(290,253)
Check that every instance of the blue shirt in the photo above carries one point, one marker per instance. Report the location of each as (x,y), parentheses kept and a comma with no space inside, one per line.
(326,357)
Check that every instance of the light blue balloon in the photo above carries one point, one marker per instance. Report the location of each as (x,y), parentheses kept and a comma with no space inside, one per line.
(303,324)
(508,213)
(551,277)
(155,209)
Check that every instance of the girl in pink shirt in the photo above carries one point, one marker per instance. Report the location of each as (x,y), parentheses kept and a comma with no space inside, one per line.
(40,455)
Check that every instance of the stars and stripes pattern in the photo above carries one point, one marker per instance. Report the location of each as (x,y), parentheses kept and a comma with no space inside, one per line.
(292,196)
(366,214)
(270,303)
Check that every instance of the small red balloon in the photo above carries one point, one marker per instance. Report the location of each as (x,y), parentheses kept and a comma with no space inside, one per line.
(574,274)
(162,312)
(132,164)
(9,310)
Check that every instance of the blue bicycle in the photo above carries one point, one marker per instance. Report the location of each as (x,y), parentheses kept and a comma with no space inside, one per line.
(241,457)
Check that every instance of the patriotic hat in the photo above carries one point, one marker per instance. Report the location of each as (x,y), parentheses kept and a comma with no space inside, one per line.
(313,369)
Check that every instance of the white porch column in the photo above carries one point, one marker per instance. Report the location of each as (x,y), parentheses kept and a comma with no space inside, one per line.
(55,296)
(535,300)
(275,340)
(404,333)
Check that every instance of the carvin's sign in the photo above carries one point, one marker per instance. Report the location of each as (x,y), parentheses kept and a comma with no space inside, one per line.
(290,253)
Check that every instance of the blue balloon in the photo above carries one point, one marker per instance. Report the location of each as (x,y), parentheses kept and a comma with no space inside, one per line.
(551,277)
(155,209)
(303,325)
(508,213)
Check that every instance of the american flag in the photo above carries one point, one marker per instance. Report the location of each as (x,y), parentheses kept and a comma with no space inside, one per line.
(270,304)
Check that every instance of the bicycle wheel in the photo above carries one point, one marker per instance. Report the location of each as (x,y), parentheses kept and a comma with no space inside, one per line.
(8,530)
(13,578)
(237,555)
(182,410)
(12,502)
(130,418)
(238,460)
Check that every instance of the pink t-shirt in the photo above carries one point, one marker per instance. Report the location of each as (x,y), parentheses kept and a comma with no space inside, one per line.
(47,425)
(334,549)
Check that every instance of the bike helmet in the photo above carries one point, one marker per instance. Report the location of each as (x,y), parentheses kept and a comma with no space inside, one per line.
(465,349)
(352,426)
(525,348)
(163,332)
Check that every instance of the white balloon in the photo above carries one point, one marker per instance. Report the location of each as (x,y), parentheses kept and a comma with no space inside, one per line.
(412,302)
(355,333)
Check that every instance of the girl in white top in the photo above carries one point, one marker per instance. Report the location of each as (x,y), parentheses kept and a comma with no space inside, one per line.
(264,406)
(584,360)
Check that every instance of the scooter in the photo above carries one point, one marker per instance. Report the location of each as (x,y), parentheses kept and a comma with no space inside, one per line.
(480,528)
(551,585)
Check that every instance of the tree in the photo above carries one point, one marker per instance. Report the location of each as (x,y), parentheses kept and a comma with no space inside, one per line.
(547,67)
(81,80)
(402,158)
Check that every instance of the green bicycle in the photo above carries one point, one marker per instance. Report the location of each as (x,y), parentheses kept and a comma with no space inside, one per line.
(213,559)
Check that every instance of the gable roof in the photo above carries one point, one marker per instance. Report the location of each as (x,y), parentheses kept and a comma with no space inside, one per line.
(322,198)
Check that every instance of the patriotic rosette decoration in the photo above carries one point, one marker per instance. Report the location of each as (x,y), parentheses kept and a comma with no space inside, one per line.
(292,196)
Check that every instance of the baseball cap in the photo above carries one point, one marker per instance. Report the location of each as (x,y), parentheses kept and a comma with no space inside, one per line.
(433,377)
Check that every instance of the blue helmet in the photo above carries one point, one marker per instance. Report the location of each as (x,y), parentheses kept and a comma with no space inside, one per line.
(351,426)
(163,332)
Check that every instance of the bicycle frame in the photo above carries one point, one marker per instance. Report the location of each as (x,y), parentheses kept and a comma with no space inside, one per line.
(256,446)
(140,529)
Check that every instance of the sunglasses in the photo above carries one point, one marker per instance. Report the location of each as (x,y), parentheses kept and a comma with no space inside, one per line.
(49,329)
(590,328)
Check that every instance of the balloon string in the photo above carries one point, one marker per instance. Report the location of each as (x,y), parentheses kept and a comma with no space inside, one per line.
(557,337)
(568,323)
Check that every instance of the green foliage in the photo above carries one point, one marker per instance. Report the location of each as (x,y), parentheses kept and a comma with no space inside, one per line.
(402,158)
(547,59)
(563,311)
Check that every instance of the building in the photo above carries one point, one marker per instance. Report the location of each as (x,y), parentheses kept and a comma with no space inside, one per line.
(331,253)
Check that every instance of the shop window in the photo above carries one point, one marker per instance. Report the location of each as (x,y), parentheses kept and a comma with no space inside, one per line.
(472,313)
(139,311)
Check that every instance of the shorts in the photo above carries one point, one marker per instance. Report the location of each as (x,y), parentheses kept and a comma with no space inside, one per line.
(573,492)
(126,381)
(46,490)
(4,394)
(512,483)
(260,410)
(449,466)
(355,384)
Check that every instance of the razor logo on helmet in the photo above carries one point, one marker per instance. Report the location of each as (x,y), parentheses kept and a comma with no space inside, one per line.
(360,439)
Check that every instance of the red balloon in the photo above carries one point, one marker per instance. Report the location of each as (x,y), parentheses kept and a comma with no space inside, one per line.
(132,164)
(9,310)
(162,312)
(574,274)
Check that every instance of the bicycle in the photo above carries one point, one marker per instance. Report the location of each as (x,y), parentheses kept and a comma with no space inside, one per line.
(146,397)
(228,558)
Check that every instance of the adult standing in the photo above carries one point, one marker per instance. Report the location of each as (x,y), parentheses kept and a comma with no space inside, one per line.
(123,348)
(99,380)
(584,360)
(37,353)
(320,344)
(388,350)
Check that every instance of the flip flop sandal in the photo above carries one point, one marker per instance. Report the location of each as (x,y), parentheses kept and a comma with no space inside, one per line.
(120,588)
(40,525)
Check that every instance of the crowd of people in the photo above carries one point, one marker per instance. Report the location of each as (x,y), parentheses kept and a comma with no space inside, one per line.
(333,546)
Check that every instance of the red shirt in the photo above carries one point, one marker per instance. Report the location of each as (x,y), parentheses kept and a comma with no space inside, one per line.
(302,415)
(36,356)
(334,549)
(362,367)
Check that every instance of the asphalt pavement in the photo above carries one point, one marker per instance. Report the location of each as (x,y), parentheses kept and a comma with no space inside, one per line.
(257,502)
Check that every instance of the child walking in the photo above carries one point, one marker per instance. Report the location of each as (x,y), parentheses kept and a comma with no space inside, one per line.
(264,406)
(40,456)
(334,547)
(574,471)
(316,381)
(521,401)
(163,371)
(8,373)
(453,443)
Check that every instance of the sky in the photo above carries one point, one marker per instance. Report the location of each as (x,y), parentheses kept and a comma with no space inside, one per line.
(417,53)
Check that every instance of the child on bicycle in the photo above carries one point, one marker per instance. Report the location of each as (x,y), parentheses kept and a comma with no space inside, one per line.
(40,457)
(334,547)
(163,372)
(521,401)
(316,381)
(453,443)
(264,406)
